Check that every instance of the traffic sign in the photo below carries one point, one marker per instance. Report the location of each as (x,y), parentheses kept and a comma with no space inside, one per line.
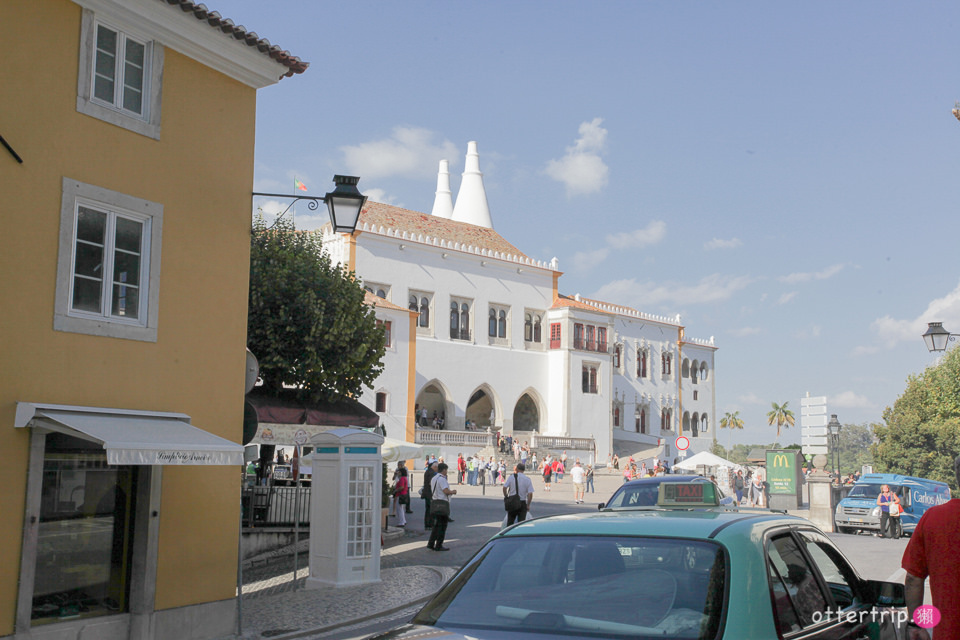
(683,443)
(816,431)
(813,450)
(809,402)
(813,411)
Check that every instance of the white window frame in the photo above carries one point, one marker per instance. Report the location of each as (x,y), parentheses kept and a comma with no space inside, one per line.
(146,123)
(471,317)
(144,328)
(431,316)
(497,340)
(376,289)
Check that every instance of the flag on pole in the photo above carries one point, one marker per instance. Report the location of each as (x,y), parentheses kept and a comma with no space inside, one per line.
(299,186)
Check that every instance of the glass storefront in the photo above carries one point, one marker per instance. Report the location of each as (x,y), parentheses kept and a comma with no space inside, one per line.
(84,548)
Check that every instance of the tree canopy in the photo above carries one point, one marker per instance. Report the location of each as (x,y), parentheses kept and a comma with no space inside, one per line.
(308,325)
(921,434)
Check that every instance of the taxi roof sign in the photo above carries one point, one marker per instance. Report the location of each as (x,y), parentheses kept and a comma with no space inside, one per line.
(687,494)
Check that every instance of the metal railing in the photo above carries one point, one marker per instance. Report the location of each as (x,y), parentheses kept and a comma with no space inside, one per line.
(562,442)
(275,506)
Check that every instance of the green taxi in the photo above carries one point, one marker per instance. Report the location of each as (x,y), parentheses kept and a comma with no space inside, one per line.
(686,568)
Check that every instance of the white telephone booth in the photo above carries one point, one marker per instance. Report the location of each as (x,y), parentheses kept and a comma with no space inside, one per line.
(345,508)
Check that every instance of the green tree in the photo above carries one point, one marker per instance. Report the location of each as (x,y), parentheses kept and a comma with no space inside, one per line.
(731,421)
(308,324)
(781,416)
(921,431)
(856,441)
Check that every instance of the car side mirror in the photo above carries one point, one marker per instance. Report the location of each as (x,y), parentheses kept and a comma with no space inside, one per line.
(887,594)
(601,506)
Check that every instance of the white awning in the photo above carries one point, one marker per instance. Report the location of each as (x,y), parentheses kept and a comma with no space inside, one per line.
(134,437)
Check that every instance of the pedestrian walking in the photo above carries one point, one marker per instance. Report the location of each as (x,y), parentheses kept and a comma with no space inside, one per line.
(590,486)
(933,553)
(426,493)
(547,476)
(401,492)
(517,495)
(440,504)
(577,475)
(887,500)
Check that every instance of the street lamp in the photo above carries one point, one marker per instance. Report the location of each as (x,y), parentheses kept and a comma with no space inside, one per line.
(936,337)
(344,203)
(834,427)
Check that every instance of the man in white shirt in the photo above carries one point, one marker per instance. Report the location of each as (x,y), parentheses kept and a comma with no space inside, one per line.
(577,474)
(520,485)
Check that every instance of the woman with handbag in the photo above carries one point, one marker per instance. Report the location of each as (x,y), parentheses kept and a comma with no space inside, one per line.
(886,501)
(401,497)
(440,508)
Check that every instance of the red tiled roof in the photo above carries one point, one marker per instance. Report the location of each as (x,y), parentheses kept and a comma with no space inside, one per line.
(567,301)
(377,214)
(293,64)
(374,300)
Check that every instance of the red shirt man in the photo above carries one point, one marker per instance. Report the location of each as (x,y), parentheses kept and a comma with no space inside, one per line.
(934,552)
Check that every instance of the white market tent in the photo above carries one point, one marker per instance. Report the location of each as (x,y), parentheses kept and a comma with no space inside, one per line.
(705,459)
(393,450)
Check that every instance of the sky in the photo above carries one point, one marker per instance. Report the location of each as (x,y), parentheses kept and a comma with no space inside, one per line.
(782,175)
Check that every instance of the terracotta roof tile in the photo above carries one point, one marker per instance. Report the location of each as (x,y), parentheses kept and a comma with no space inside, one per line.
(376,215)
(566,301)
(374,300)
(293,64)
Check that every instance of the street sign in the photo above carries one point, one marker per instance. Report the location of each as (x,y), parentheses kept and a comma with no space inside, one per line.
(813,421)
(813,425)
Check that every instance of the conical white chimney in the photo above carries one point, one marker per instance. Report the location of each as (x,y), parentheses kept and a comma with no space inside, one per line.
(443,203)
(471,203)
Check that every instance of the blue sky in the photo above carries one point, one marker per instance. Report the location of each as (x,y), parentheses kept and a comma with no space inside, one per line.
(783,175)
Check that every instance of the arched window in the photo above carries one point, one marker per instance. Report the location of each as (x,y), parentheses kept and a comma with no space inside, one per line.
(454,320)
(502,324)
(616,416)
(492,323)
(537,335)
(642,363)
(424,312)
(528,327)
(464,321)
(704,423)
(413,303)
(382,293)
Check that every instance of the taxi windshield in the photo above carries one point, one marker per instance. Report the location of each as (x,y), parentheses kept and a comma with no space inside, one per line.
(587,586)
(870,491)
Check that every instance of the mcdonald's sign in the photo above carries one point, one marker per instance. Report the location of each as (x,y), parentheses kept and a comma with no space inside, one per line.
(782,471)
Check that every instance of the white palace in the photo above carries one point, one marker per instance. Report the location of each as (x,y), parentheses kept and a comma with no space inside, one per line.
(480,335)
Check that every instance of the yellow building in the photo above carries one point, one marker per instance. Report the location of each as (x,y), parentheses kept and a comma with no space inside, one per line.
(125,178)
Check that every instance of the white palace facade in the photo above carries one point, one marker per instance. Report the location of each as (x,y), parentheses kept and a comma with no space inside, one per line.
(481,336)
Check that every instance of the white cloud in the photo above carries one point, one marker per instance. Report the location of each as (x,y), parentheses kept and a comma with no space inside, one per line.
(409,151)
(653,233)
(712,288)
(824,274)
(743,332)
(787,297)
(805,334)
(583,260)
(581,169)
(719,243)
(891,331)
(849,400)
(751,398)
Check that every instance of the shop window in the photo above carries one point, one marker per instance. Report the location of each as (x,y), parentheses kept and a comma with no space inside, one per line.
(85,539)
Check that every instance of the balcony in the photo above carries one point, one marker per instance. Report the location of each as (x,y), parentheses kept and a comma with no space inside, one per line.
(587,345)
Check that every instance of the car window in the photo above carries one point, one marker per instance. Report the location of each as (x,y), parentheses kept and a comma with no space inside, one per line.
(605,587)
(794,588)
(840,578)
(644,495)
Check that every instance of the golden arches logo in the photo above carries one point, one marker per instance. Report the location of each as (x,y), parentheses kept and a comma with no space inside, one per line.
(781,460)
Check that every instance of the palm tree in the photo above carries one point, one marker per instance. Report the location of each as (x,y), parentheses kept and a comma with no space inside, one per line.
(781,416)
(731,421)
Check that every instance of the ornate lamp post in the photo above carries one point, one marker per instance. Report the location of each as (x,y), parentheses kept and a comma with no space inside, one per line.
(344,203)
(834,427)
(936,337)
